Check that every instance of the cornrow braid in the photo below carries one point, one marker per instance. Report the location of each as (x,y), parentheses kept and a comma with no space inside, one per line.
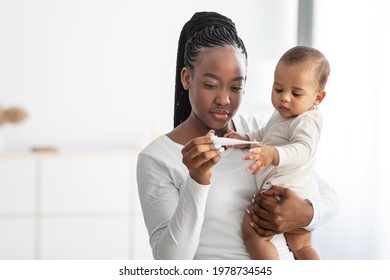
(203,30)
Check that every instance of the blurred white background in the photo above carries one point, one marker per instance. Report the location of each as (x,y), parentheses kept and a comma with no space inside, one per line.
(97,79)
(354,152)
(99,75)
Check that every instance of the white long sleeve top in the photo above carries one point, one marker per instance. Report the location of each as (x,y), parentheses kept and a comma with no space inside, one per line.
(296,140)
(186,220)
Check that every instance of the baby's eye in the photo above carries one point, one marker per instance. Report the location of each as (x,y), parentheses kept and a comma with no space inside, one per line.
(237,89)
(296,94)
(278,90)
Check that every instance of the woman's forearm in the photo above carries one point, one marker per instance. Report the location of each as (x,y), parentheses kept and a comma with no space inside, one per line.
(173,215)
(180,239)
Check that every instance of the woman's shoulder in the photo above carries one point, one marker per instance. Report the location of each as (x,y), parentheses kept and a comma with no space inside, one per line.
(160,154)
(161,147)
(245,123)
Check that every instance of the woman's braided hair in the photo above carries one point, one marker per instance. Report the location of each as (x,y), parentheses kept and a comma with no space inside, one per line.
(203,30)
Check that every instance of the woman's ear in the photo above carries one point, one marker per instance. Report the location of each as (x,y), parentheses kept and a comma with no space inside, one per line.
(185,78)
(320,96)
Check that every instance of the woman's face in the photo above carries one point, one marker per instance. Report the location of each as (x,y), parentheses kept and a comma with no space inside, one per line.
(216,85)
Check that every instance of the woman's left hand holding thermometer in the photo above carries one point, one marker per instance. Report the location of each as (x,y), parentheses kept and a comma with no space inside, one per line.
(200,155)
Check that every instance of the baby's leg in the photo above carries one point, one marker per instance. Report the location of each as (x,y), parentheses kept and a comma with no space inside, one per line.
(300,245)
(259,248)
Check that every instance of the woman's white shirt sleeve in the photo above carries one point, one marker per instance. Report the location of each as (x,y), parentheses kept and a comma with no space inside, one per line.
(324,209)
(173,220)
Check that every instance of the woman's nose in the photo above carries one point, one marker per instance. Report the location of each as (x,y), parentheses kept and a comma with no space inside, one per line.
(223,98)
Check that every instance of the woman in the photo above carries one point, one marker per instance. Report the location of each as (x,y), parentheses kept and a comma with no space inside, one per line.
(194,194)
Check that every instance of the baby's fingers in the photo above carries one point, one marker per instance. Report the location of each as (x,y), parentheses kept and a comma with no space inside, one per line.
(257,166)
(256,150)
(251,157)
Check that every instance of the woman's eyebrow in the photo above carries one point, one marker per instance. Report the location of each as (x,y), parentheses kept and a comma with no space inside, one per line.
(211,75)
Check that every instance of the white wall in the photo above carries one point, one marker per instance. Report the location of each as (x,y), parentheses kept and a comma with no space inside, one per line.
(354,151)
(100,74)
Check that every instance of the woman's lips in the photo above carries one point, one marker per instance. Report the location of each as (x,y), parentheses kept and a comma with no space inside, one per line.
(220,114)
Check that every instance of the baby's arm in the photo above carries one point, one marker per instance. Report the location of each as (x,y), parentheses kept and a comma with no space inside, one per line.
(263,155)
(303,134)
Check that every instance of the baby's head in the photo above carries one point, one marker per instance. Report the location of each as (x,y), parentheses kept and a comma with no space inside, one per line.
(299,81)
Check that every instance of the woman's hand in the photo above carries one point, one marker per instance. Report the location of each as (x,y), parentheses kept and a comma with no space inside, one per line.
(200,155)
(279,210)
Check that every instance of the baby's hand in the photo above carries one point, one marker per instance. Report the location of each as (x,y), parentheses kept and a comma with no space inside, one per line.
(232,134)
(263,155)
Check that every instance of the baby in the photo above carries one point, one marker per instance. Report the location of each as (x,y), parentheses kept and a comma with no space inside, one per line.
(289,140)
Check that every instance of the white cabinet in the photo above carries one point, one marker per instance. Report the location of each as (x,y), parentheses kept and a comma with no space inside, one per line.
(17,238)
(17,181)
(87,184)
(17,208)
(71,205)
(86,237)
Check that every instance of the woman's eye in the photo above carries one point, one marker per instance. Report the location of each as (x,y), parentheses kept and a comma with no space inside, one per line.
(210,86)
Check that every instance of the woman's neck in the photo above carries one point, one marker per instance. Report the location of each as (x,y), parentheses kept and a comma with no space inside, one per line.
(190,129)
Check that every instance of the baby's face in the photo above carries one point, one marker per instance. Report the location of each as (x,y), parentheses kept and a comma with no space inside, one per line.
(295,89)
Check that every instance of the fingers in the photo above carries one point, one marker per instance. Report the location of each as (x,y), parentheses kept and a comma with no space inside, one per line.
(266,205)
(262,231)
(259,225)
(277,191)
(255,155)
(199,156)
(267,213)
(233,134)
(204,160)
(204,140)
(229,133)
(258,163)
(257,166)
(199,152)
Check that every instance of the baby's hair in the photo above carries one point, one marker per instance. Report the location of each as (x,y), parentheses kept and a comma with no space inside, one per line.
(303,54)
(203,30)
